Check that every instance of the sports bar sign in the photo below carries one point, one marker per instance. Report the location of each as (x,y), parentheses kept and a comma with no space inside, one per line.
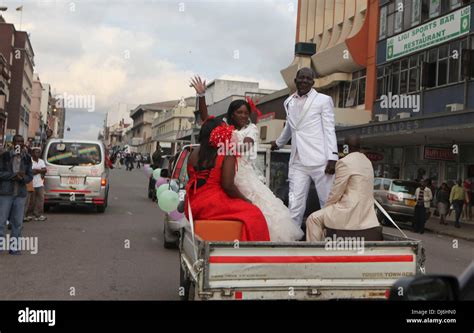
(435,32)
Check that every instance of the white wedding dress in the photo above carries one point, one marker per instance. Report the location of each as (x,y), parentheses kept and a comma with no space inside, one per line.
(248,180)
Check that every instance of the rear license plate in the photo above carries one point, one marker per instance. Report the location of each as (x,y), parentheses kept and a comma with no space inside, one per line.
(73,181)
(410,202)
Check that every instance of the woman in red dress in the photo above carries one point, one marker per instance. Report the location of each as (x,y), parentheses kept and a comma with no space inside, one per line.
(211,189)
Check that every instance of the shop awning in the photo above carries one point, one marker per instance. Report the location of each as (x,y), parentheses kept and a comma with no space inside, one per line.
(442,128)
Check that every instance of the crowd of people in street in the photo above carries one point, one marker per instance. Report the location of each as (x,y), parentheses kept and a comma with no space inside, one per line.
(456,198)
(129,160)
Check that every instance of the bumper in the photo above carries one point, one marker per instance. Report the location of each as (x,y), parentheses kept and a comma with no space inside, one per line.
(399,210)
(75,198)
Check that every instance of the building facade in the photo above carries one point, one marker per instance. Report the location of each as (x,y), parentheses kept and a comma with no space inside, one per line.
(4,93)
(17,45)
(141,132)
(423,110)
(36,120)
(409,64)
(171,125)
(337,40)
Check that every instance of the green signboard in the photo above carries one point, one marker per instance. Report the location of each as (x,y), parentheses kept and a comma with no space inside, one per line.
(435,32)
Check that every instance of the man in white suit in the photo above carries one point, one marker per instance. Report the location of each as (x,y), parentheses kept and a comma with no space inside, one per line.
(350,206)
(310,125)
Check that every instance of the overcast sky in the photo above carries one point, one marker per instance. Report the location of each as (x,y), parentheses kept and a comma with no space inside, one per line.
(129,52)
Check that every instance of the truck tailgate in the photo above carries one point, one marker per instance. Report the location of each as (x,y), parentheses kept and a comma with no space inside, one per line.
(278,266)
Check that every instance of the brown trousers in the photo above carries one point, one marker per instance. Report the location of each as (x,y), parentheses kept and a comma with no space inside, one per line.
(36,204)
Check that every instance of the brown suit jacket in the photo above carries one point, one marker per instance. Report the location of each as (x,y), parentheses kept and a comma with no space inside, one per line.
(350,205)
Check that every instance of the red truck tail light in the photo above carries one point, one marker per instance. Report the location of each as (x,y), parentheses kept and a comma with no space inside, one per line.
(103,182)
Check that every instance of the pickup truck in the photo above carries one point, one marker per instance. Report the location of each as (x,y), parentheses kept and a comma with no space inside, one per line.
(233,270)
(215,265)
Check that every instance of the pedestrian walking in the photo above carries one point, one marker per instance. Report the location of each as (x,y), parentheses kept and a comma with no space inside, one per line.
(36,205)
(467,208)
(138,159)
(442,199)
(457,198)
(423,197)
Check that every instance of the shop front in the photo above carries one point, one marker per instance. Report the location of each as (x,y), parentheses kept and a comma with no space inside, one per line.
(437,147)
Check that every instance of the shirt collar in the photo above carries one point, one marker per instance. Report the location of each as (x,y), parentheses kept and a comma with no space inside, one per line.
(305,95)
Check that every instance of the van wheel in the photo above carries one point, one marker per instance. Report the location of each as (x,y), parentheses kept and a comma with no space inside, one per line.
(46,208)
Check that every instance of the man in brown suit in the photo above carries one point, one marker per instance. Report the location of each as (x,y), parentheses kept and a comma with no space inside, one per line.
(350,206)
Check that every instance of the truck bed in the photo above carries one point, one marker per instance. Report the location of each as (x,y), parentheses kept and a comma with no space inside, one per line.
(297,270)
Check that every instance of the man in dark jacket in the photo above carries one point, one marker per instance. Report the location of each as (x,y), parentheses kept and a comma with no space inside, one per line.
(157,158)
(15,173)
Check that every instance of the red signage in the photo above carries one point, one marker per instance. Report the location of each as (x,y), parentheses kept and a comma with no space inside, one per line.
(374,156)
(439,154)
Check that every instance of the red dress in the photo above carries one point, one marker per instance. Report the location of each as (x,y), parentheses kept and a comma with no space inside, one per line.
(210,202)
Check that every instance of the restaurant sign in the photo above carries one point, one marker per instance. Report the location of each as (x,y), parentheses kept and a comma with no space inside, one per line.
(435,32)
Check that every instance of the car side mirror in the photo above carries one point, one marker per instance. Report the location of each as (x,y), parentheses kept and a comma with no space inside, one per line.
(164,173)
(425,288)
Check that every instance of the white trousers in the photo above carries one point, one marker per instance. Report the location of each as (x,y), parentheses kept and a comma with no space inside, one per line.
(300,177)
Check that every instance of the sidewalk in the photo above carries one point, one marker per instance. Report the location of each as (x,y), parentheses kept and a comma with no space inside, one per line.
(465,232)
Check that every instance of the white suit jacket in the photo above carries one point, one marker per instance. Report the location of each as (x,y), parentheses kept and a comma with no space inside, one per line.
(312,132)
(350,205)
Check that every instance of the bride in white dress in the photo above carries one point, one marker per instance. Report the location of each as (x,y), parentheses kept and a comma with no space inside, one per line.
(247,179)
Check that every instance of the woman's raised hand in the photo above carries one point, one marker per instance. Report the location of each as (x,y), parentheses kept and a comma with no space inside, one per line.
(198,84)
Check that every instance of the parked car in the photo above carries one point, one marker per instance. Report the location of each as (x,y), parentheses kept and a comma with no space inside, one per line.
(397,197)
(77,174)
(165,165)
(176,172)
